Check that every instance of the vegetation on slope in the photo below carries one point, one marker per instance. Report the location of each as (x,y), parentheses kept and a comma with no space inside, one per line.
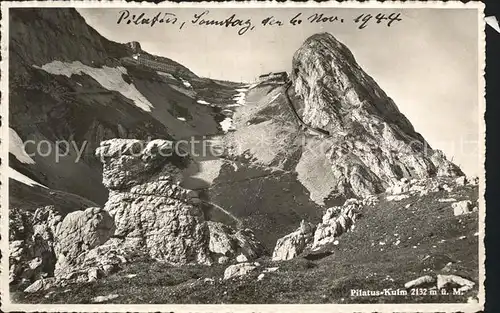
(431,241)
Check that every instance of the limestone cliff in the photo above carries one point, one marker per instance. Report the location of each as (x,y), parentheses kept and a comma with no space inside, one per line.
(374,144)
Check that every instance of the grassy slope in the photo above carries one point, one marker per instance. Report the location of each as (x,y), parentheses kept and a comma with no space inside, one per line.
(359,262)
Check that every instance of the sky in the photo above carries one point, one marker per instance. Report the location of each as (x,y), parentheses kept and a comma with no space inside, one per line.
(427,62)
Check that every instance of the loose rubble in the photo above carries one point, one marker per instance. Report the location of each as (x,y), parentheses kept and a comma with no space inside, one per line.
(100,299)
(335,222)
(447,281)
(427,279)
(148,215)
(442,282)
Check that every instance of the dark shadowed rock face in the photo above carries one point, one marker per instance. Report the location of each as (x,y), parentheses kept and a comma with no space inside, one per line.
(373,144)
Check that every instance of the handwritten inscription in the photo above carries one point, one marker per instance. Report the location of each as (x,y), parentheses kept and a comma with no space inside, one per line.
(243,25)
(364,19)
(142,19)
(233,21)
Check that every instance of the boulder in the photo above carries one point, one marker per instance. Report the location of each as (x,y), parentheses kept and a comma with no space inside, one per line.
(40,284)
(79,232)
(447,200)
(223,260)
(248,245)
(225,242)
(461,181)
(294,243)
(400,188)
(35,287)
(93,274)
(447,188)
(149,206)
(335,222)
(397,197)
(31,243)
(100,261)
(462,207)
(423,280)
(100,299)
(270,269)
(238,270)
(221,240)
(241,258)
(451,281)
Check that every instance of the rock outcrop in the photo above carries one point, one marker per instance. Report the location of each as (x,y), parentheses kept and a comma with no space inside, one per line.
(372,145)
(32,243)
(226,244)
(450,281)
(47,248)
(293,244)
(164,219)
(336,221)
(241,269)
(147,204)
(77,234)
(423,280)
(309,237)
(462,207)
(148,215)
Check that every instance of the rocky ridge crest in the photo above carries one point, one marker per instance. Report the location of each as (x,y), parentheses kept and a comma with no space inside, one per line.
(373,145)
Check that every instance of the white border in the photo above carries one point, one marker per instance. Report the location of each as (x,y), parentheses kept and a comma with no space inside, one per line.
(7,305)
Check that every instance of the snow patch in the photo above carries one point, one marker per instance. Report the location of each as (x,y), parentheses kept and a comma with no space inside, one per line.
(274,98)
(109,78)
(186,83)
(16,147)
(23,178)
(202,102)
(240,97)
(187,92)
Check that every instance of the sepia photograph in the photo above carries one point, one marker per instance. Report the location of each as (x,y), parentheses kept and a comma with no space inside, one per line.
(243,156)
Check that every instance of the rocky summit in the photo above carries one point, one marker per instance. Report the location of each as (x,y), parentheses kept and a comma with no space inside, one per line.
(321,185)
(372,144)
